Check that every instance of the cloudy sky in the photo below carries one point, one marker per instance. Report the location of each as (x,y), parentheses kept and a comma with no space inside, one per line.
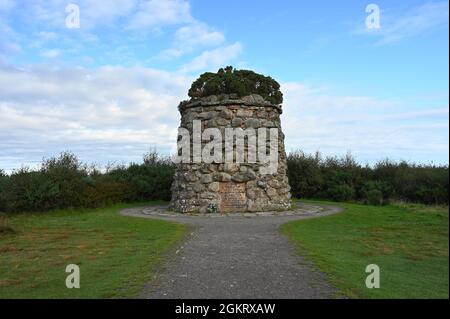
(109,89)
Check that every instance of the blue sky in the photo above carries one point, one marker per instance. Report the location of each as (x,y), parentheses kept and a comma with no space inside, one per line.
(109,89)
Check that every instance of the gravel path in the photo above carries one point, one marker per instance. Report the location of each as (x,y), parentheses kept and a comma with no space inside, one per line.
(236,257)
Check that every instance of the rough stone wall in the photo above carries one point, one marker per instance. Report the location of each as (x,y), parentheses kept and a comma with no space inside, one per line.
(202,187)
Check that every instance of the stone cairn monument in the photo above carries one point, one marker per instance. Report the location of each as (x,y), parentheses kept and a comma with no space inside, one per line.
(242,103)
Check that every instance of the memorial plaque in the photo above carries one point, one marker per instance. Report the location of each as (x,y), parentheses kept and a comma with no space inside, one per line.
(232,197)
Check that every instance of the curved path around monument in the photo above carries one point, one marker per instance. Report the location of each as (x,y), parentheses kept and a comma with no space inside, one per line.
(237,256)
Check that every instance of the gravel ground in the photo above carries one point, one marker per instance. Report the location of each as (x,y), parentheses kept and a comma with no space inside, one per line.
(236,257)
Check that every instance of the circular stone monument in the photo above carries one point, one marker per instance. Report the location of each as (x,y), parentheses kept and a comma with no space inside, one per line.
(231,155)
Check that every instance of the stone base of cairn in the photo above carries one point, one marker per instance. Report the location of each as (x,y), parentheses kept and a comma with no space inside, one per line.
(231,187)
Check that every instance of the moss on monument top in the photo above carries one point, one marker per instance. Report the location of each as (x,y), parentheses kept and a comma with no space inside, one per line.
(241,82)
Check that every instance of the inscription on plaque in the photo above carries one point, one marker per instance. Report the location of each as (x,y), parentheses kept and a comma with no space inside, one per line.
(232,197)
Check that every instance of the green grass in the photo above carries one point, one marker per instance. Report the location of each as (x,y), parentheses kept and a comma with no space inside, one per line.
(116,254)
(408,242)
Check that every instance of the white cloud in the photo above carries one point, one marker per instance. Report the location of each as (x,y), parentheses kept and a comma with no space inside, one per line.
(213,59)
(94,12)
(191,37)
(6,5)
(136,14)
(51,53)
(134,19)
(102,114)
(417,21)
(10,48)
(369,127)
(116,113)
(152,13)
(47,36)
(198,34)
(9,44)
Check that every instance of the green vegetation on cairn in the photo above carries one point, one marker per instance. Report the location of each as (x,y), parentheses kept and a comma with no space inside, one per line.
(240,82)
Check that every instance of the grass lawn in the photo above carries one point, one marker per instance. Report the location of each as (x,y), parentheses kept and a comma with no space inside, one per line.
(116,254)
(408,242)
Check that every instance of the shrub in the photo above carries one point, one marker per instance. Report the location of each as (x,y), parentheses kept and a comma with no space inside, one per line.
(426,184)
(374,197)
(64,182)
(3,182)
(26,191)
(67,180)
(340,193)
(105,191)
(146,181)
(44,190)
(240,82)
(342,178)
(376,192)
(58,184)
(304,174)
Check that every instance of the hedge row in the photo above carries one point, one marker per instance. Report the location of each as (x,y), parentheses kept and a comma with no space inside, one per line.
(343,179)
(64,182)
